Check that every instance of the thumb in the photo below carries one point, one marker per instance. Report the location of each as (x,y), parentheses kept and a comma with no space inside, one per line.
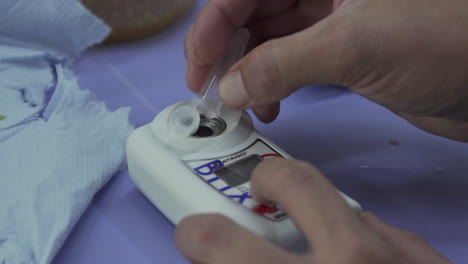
(279,67)
(409,244)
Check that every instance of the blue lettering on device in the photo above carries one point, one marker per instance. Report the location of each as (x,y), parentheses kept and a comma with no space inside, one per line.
(209,168)
(242,197)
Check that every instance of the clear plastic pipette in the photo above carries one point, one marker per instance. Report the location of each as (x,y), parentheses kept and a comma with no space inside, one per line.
(184,121)
(208,102)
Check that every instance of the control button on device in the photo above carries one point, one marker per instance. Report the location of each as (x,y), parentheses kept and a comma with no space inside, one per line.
(265,209)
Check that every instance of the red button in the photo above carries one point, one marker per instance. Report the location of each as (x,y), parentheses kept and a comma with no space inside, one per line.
(271,209)
(264,209)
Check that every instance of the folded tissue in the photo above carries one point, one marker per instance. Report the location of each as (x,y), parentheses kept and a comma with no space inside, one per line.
(58,144)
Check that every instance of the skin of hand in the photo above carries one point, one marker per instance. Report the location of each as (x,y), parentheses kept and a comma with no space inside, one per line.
(335,233)
(410,56)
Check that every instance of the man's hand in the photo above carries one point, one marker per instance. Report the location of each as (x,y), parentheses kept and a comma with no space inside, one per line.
(409,56)
(335,233)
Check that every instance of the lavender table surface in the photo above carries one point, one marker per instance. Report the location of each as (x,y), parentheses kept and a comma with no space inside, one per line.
(407,177)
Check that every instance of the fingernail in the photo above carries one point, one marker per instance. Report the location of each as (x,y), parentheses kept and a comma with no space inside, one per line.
(188,72)
(198,60)
(192,49)
(232,90)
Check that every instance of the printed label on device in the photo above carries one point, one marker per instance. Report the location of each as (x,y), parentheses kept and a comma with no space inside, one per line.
(230,175)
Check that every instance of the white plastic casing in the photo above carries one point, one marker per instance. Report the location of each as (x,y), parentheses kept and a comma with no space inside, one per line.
(160,165)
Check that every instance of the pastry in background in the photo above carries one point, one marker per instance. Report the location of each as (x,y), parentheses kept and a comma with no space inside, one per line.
(135,19)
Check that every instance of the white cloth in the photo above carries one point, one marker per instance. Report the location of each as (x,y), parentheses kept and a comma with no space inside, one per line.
(58,144)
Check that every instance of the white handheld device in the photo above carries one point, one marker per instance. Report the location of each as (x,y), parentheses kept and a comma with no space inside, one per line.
(197,157)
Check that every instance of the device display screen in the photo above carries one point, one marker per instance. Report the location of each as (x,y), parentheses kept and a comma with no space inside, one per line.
(239,172)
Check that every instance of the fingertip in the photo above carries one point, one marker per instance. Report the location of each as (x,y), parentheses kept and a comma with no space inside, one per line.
(183,228)
(181,233)
(308,197)
(256,181)
(261,77)
(186,41)
(232,90)
(190,48)
(195,76)
(196,56)
(197,236)
(195,70)
(261,174)
(267,113)
(188,75)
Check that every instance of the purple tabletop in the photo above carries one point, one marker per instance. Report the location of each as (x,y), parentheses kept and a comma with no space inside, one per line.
(408,178)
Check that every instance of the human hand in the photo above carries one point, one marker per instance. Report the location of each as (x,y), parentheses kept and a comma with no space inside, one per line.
(335,233)
(409,56)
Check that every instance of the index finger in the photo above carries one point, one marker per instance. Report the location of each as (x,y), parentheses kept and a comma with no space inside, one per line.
(308,197)
(210,35)
(216,25)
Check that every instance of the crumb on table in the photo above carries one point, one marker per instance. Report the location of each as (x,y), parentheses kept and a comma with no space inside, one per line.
(394,142)
(2,117)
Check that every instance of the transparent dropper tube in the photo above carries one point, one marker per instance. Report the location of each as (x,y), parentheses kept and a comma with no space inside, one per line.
(208,102)
(185,120)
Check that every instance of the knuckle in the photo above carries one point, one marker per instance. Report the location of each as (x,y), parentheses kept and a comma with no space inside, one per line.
(293,175)
(206,231)
(359,250)
(411,236)
(350,45)
(264,77)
